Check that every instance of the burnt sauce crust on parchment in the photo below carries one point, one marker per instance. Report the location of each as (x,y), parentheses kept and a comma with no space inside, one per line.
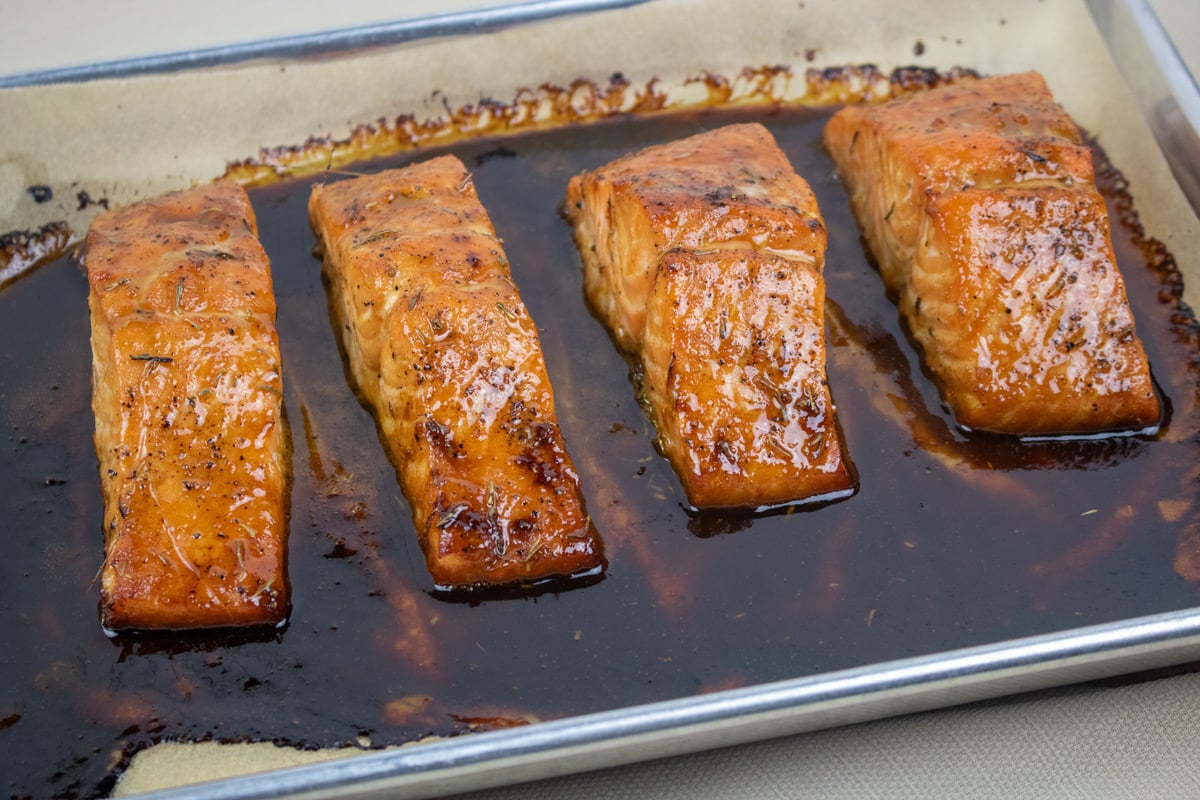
(547,105)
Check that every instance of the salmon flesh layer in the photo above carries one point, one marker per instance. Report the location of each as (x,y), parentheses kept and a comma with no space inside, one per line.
(704,258)
(187,395)
(443,350)
(979,204)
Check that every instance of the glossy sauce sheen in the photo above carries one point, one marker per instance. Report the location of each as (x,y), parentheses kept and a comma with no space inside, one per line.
(188,397)
(979,202)
(951,540)
(703,257)
(448,358)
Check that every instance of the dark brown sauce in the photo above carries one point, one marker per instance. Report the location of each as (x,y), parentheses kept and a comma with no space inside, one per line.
(952,540)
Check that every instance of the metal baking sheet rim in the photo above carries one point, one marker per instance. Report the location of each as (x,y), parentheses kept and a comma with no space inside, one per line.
(316,43)
(1166,90)
(721,719)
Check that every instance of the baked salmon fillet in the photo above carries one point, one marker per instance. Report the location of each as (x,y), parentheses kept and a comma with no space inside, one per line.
(704,259)
(979,204)
(187,395)
(444,352)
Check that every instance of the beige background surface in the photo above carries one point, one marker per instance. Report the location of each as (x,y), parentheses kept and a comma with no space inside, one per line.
(62,33)
(1138,739)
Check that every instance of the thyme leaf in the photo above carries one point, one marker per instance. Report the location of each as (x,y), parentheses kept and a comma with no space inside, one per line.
(376,236)
(448,518)
(416,298)
(220,255)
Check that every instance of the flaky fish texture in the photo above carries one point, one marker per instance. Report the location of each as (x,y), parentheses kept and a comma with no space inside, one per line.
(704,258)
(979,204)
(444,351)
(187,396)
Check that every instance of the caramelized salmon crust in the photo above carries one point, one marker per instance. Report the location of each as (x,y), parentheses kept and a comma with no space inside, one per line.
(704,258)
(444,351)
(979,204)
(187,395)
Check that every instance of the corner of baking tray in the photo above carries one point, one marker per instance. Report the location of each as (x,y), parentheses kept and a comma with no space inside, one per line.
(725,718)
(1164,86)
(306,45)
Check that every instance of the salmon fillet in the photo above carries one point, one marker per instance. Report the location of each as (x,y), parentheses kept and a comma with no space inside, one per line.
(444,351)
(704,259)
(187,396)
(978,202)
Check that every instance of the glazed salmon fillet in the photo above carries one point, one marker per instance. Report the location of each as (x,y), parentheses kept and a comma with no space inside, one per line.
(704,259)
(187,396)
(979,204)
(443,350)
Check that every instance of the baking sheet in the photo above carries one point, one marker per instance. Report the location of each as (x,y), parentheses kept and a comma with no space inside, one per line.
(96,44)
(982,46)
(1164,85)
(632,735)
(123,139)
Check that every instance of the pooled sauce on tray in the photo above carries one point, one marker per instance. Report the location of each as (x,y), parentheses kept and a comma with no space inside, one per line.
(952,540)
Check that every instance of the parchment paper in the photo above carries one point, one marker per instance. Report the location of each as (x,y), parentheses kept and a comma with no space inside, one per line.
(120,140)
(123,139)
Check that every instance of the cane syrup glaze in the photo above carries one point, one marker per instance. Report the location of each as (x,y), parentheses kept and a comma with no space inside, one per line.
(952,539)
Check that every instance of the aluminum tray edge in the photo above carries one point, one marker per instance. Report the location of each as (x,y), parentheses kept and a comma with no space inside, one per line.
(1165,89)
(307,45)
(721,719)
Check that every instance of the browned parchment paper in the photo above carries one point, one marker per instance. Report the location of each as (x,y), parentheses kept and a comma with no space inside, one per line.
(123,139)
